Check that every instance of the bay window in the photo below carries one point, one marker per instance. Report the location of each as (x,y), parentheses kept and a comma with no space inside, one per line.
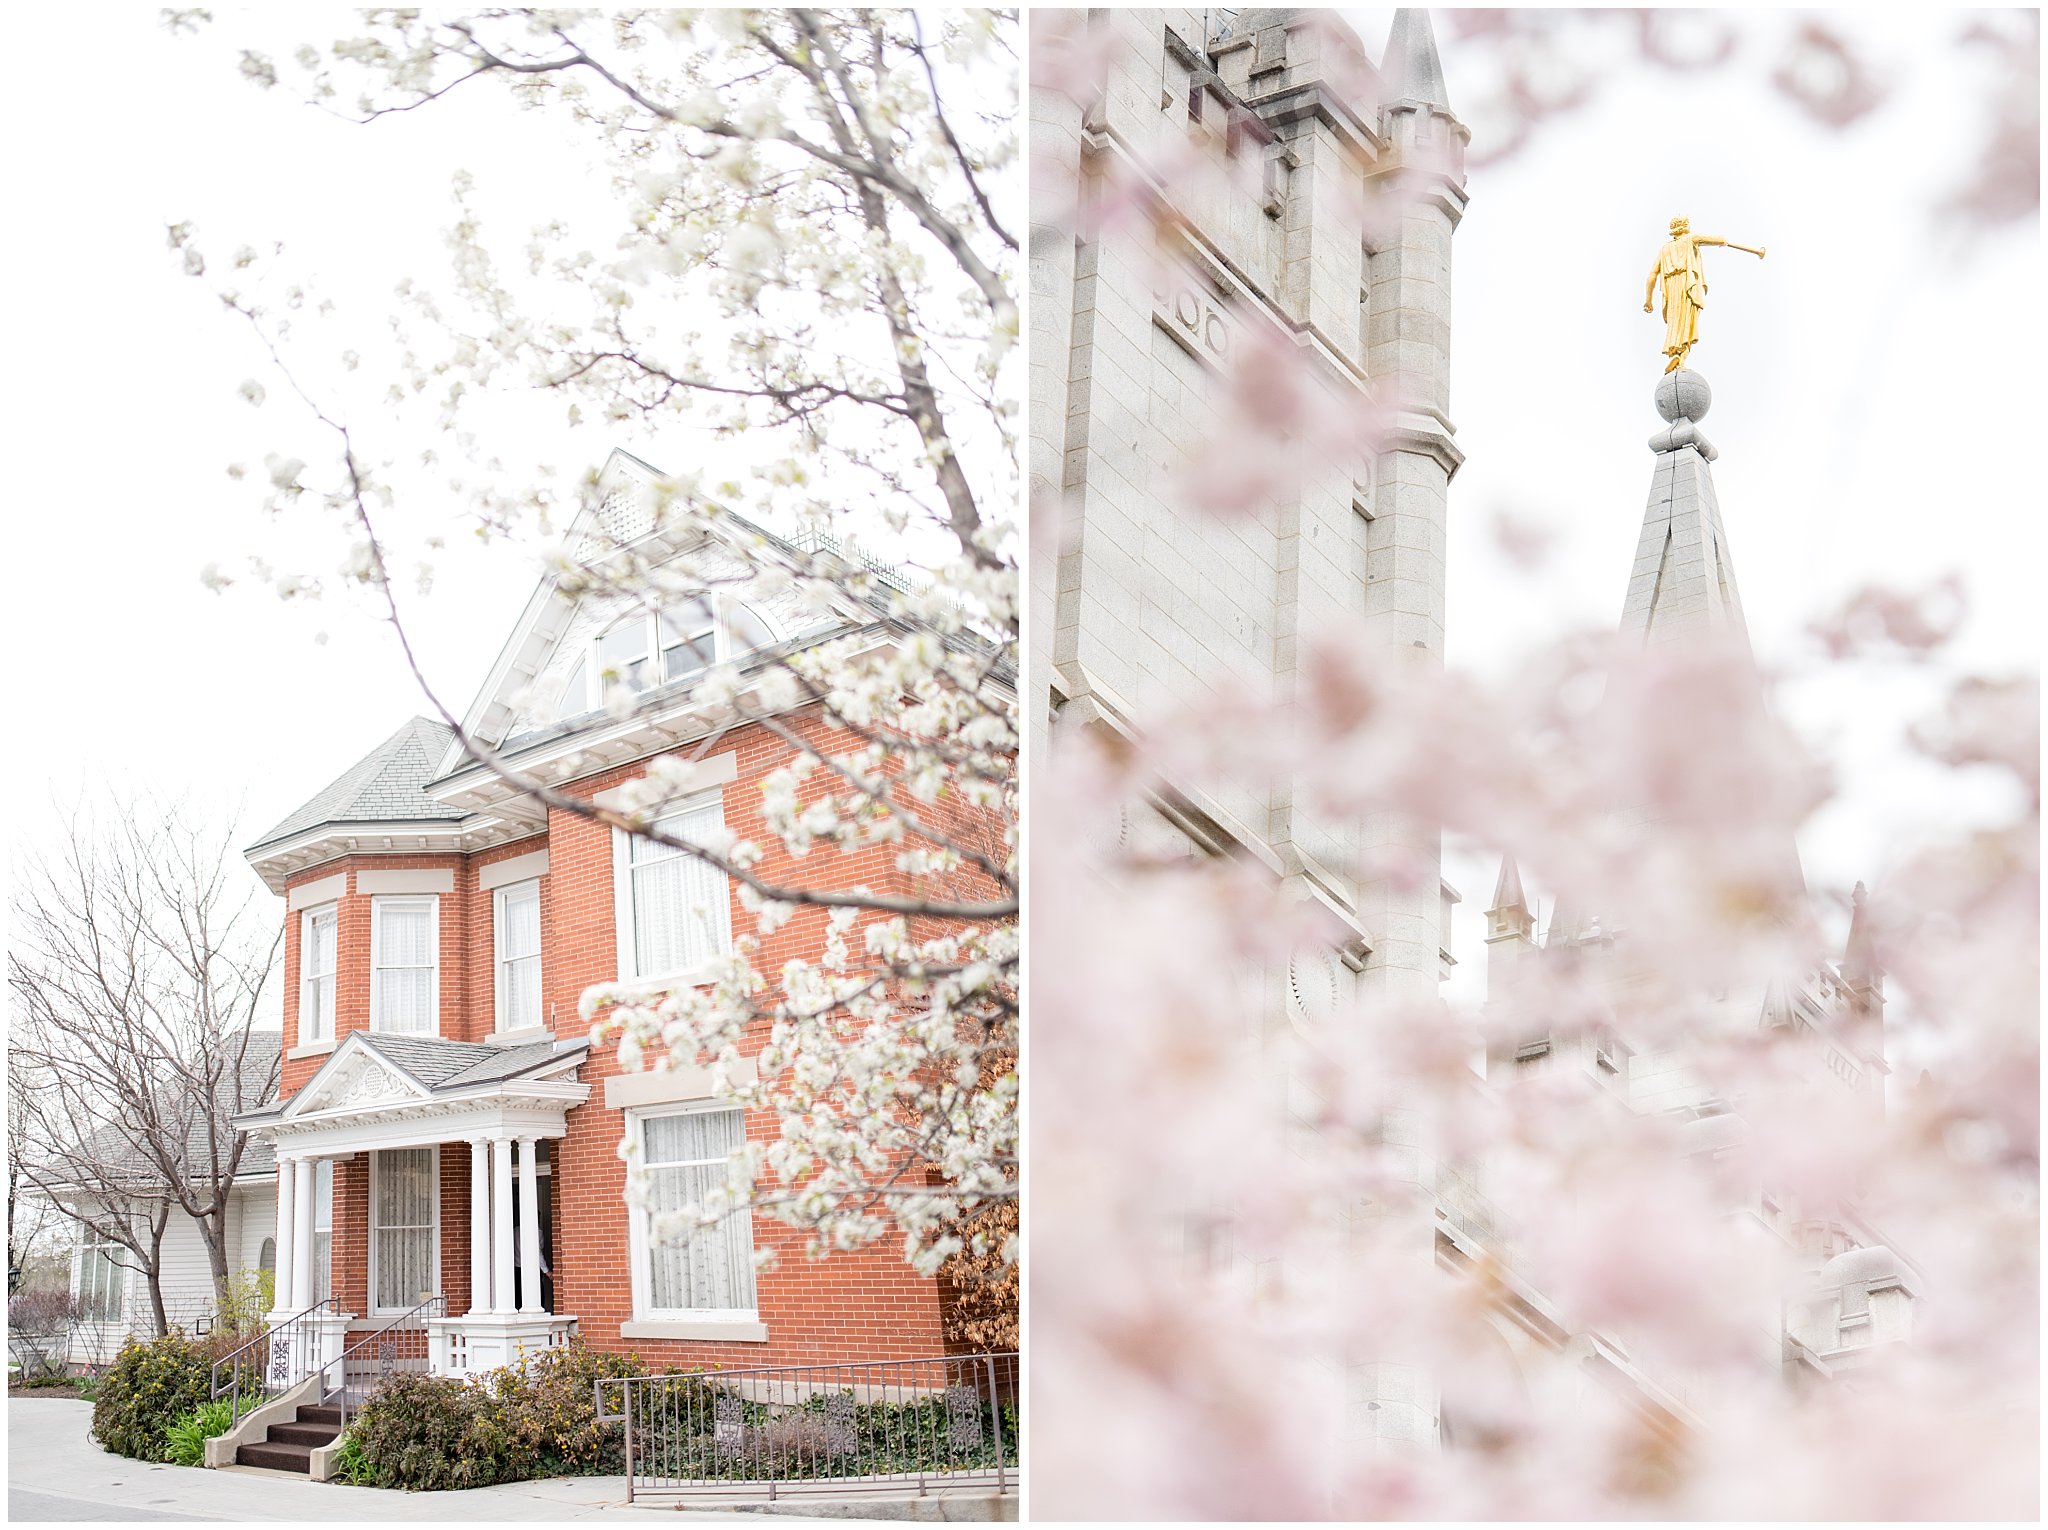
(405,967)
(316,974)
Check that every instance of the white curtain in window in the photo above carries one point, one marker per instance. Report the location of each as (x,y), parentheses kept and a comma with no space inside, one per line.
(323,1229)
(405,1226)
(713,1270)
(316,960)
(679,903)
(406,970)
(519,956)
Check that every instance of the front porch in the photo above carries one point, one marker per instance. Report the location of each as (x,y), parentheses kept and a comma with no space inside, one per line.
(415,1212)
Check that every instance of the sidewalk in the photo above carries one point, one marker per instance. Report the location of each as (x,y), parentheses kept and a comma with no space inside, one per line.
(56,1473)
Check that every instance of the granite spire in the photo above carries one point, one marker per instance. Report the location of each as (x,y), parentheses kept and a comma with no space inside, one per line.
(1683,583)
(1410,69)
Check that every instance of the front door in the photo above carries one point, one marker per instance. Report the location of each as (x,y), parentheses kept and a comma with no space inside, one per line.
(545,1187)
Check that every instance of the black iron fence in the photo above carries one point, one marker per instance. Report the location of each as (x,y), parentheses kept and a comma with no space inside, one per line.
(868,1427)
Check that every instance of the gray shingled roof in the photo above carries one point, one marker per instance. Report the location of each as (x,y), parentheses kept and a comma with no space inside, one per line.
(384,786)
(259,1086)
(444,1066)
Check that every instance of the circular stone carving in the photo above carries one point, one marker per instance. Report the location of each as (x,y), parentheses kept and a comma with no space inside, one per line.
(1683,395)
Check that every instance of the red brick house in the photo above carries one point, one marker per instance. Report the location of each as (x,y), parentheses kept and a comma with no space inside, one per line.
(444,1126)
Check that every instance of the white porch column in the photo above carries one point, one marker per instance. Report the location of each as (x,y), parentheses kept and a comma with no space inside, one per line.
(302,1234)
(529,1225)
(501,1229)
(479,1225)
(287,1224)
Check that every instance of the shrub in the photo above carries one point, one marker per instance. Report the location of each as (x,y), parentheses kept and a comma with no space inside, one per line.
(417,1432)
(40,1323)
(147,1389)
(511,1424)
(186,1439)
(546,1416)
(245,1302)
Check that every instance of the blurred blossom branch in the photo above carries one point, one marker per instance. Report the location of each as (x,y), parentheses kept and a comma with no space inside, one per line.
(1724,1203)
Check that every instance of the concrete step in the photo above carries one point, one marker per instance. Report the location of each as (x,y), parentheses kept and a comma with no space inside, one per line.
(304,1434)
(276,1455)
(311,1413)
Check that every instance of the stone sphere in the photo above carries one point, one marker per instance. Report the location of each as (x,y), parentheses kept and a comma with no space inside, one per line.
(1683,395)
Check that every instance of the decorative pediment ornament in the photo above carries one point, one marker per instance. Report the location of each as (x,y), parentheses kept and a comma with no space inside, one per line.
(362,1081)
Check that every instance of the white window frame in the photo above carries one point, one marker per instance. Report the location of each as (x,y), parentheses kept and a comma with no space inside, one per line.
(591,694)
(639,1231)
(622,901)
(93,1249)
(330,912)
(432,903)
(499,959)
(433,1223)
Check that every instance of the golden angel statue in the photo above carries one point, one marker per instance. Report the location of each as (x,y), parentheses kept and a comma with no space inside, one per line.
(1684,277)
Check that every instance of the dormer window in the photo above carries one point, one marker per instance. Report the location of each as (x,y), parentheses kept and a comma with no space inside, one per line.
(676,646)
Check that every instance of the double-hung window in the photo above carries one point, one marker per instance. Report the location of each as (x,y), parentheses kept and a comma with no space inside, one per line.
(674,910)
(706,1271)
(515,921)
(316,974)
(102,1279)
(404,1196)
(405,964)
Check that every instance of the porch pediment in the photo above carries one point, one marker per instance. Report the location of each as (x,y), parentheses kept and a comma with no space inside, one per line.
(356,1076)
(382,1090)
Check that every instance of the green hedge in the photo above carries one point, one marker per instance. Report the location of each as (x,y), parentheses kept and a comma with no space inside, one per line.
(147,1390)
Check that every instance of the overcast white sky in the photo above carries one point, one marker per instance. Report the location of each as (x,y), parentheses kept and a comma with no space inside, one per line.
(1876,394)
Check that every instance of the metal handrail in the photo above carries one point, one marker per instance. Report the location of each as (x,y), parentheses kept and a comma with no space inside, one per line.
(234,1358)
(439,1304)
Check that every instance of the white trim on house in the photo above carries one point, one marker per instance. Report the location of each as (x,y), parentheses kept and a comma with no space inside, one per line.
(309,894)
(515,868)
(410,879)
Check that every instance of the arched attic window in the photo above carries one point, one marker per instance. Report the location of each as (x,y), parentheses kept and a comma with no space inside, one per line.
(644,651)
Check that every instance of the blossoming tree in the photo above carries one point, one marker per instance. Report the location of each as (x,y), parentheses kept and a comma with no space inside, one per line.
(808,278)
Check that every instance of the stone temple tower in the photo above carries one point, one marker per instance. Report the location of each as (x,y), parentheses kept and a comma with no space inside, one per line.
(1316,220)
(1299,202)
